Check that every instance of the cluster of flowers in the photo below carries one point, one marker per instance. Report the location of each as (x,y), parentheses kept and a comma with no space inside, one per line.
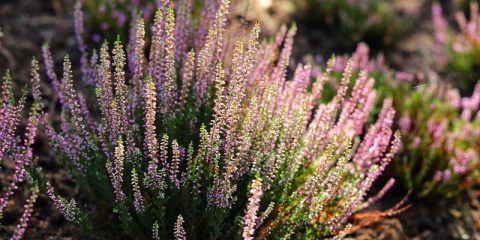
(440,129)
(458,53)
(16,151)
(204,136)
(372,21)
(442,135)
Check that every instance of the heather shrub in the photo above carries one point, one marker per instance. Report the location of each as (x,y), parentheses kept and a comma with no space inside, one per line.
(350,22)
(16,153)
(441,138)
(457,53)
(212,141)
(439,154)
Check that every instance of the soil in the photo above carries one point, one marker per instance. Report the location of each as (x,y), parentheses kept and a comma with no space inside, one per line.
(27,24)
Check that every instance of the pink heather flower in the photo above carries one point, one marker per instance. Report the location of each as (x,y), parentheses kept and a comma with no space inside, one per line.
(380,194)
(436,130)
(439,24)
(446,175)
(150,136)
(49,68)
(438,176)
(404,76)
(137,195)
(118,171)
(175,165)
(416,141)
(250,218)
(461,160)
(68,209)
(459,47)
(453,97)
(178,231)
(138,59)
(79,31)
(27,213)
(405,123)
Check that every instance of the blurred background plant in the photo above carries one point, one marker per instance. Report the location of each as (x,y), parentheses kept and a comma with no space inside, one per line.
(440,154)
(376,22)
(441,130)
(107,19)
(457,52)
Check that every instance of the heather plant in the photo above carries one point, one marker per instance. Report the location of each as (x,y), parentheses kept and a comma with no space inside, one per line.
(441,138)
(16,153)
(457,54)
(439,154)
(212,141)
(351,22)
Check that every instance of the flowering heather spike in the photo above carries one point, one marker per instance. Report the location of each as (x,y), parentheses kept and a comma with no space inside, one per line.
(169,86)
(49,67)
(6,88)
(155,234)
(121,116)
(68,209)
(118,171)
(203,69)
(207,17)
(380,194)
(33,119)
(156,64)
(211,52)
(265,215)
(179,232)
(219,26)
(219,116)
(79,31)
(174,167)
(164,151)
(183,28)
(27,213)
(104,91)
(252,209)
(344,83)
(251,49)
(150,135)
(279,72)
(186,80)
(35,79)
(137,195)
(139,60)
(236,91)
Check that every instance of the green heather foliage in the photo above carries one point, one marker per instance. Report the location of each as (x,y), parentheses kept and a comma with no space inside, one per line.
(209,139)
(350,22)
